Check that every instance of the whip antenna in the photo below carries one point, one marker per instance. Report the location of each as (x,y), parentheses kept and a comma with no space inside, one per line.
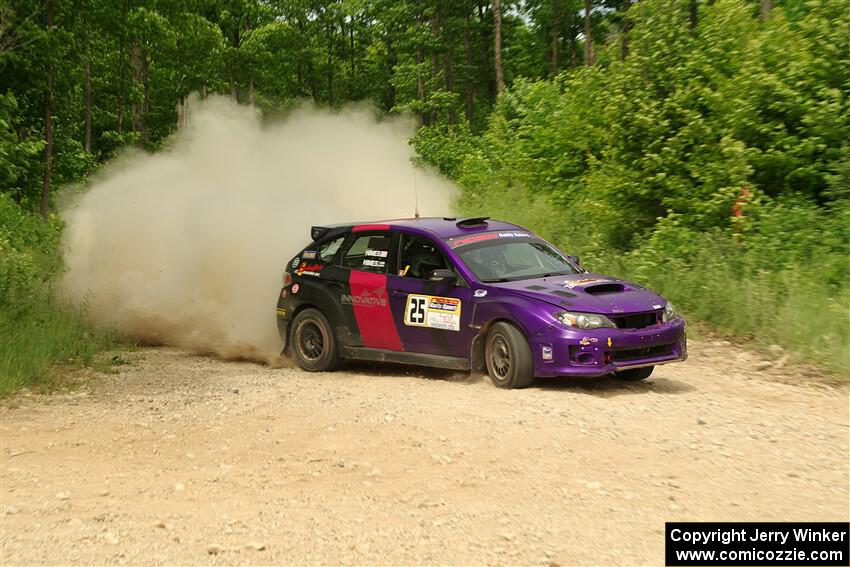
(415,195)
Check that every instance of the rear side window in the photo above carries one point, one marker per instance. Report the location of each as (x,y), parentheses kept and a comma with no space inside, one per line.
(368,253)
(327,251)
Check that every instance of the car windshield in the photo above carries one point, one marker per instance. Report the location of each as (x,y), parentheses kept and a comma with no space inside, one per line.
(501,260)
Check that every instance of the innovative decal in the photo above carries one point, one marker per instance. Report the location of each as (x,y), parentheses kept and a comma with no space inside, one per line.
(366,298)
(432,311)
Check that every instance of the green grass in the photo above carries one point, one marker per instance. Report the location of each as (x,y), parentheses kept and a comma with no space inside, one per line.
(795,310)
(35,348)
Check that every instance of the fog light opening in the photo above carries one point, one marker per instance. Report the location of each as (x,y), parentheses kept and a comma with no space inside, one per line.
(584,358)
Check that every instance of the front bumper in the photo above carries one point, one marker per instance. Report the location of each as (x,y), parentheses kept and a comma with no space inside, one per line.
(563,351)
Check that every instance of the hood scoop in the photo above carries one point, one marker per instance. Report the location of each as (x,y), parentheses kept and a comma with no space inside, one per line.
(604,288)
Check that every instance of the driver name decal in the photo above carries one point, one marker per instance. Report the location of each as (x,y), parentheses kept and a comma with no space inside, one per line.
(432,311)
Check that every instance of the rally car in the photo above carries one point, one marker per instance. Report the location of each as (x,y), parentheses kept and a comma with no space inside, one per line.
(468,293)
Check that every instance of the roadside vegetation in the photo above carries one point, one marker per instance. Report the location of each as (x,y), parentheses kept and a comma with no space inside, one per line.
(712,164)
(37,332)
(701,148)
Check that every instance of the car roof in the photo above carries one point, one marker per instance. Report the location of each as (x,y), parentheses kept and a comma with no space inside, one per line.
(440,227)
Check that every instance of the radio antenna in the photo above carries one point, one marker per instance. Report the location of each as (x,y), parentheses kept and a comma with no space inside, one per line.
(415,195)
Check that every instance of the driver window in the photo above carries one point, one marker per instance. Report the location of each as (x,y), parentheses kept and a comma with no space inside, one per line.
(418,257)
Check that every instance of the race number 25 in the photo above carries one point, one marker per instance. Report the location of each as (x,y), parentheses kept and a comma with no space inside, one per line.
(415,313)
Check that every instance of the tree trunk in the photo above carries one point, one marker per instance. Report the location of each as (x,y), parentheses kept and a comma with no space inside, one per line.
(146,99)
(589,54)
(573,53)
(48,117)
(88,102)
(497,45)
(181,109)
(330,65)
(556,37)
(469,89)
(694,16)
(352,81)
(392,61)
(486,44)
(624,46)
(234,93)
(450,82)
(251,90)
(136,65)
(420,85)
(122,45)
(766,7)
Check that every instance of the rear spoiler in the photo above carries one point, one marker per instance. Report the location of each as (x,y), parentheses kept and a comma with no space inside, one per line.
(316,232)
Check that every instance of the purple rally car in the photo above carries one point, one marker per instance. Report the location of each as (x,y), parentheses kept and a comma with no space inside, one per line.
(468,293)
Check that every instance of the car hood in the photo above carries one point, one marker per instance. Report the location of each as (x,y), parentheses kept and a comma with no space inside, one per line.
(589,292)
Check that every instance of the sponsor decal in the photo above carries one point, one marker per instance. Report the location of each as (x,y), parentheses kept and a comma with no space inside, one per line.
(480,293)
(305,270)
(281,312)
(432,311)
(377,253)
(309,254)
(455,242)
(587,340)
(609,342)
(295,288)
(366,298)
(374,263)
(295,262)
(546,353)
(570,284)
(656,307)
(473,239)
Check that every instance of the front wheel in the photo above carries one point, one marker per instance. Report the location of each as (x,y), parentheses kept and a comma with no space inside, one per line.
(313,342)
(635,374)
(508,357)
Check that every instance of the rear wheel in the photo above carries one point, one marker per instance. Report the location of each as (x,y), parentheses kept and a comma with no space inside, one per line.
(313,342)
(508,357)
(635,374)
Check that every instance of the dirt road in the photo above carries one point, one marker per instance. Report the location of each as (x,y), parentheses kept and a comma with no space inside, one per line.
(186,459)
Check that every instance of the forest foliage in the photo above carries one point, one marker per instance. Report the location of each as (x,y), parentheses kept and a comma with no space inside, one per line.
(701,147)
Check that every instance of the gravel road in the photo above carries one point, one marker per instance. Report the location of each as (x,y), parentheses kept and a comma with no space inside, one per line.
(185,459)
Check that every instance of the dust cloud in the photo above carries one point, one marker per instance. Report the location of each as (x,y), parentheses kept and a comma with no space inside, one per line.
(187,246)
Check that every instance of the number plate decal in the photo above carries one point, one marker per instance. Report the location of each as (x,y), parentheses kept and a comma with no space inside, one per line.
(432,311)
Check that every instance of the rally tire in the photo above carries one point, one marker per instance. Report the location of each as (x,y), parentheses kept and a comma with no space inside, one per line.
(313,343)
(635,374)
(508,357)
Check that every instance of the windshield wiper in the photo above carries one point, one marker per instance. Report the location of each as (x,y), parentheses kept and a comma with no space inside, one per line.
(497,280)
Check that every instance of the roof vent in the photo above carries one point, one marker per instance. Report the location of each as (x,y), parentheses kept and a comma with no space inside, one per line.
(473,221)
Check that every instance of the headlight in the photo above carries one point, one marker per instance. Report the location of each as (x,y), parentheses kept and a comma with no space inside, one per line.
(670,313)
(584,320)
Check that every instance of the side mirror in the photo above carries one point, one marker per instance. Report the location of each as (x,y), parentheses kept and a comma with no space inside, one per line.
(574,260)
(442,275)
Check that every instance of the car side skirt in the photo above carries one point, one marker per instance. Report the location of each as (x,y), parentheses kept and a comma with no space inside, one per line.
(415,358)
